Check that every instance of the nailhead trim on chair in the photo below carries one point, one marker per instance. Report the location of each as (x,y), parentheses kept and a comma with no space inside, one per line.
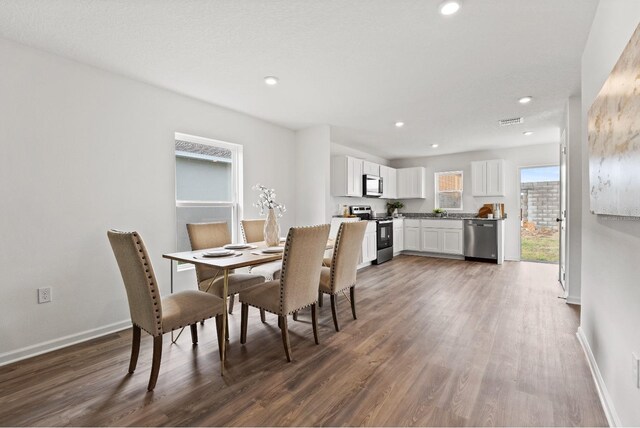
(150,283)
(333,263)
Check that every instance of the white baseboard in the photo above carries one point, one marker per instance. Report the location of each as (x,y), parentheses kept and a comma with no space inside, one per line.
(603,393)
(62,342)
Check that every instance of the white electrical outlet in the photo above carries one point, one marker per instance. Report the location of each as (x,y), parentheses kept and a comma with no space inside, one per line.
(44,295)
(635,361)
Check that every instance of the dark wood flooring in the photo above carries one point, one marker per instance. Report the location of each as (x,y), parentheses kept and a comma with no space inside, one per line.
(437,342)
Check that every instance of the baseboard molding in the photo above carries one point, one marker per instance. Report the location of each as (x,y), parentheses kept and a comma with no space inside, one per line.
(603,393)
(62,342)
(434,255)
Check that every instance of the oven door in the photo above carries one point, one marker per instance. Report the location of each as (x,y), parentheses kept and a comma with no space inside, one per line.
(385,234)
(372,186)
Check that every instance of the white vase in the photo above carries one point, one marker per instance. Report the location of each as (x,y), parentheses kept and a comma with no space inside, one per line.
(271,229)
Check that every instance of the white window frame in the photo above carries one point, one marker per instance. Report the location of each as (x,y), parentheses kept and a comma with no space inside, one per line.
(236,184)
(437,190)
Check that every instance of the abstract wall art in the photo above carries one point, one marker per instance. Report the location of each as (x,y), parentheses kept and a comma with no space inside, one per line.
(614,138)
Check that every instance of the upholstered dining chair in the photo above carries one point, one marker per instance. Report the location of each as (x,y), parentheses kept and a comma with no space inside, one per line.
(297,287)
(212,235)
(253,231)
(341,274)
(150,312)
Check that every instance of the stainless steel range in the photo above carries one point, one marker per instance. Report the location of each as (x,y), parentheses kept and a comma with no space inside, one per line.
(384,231)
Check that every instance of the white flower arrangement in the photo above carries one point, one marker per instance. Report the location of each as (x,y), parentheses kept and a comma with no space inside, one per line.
(267,200)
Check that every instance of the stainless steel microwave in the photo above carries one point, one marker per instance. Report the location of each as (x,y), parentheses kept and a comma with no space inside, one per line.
(371,186)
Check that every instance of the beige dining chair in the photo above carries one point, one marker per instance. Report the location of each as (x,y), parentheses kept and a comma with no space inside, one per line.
(297,287)
(343,267)
(253,231)
(150,312)
(213,235)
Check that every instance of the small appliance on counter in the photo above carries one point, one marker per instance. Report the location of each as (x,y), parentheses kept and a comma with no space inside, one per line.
(384,231)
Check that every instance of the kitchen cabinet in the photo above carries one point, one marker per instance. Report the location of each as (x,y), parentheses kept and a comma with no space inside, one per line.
(411,183)
(369,250)
(451,241)
(487,178)
(434,236)
(398,235)
(371,168)
(389,182)
(412,235)
(346,176)
(430,241)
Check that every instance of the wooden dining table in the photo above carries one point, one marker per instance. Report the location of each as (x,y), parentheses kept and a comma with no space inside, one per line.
(244,258)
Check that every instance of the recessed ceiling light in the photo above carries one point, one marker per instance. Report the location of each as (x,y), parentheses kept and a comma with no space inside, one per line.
(527,133)
(271,80)
(434,146)
(525,100)
(399,124)
(449,7)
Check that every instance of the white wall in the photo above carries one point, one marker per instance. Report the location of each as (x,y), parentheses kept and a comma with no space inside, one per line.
(378,205)
(538,155)
(313,179)
(573,126)
(610,317)
(83,151)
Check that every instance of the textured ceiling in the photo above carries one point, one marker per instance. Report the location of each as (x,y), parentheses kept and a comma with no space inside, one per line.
(354,64)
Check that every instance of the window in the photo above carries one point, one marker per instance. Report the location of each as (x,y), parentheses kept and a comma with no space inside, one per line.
(449,190)
(208,184)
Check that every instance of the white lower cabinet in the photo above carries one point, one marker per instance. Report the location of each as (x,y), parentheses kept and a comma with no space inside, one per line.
(430,240)
(434,236)
(369,244)
(412,235)
(452,241)
(398,235)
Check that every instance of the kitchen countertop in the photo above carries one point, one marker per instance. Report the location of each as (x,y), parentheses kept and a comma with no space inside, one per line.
(464,216)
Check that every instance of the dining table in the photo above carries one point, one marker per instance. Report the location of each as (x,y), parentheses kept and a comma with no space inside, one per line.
(253,255)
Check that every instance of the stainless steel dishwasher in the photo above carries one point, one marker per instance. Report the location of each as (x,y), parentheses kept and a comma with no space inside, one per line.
(481,240)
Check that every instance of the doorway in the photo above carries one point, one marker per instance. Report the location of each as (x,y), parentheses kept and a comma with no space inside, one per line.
(539,210)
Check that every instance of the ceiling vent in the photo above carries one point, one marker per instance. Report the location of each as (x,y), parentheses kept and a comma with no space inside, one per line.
(509,122)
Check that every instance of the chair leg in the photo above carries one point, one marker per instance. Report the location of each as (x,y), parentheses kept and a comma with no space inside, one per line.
(219,334)
(352,292)
(135,349)
(285,336)
(232,300)
(155,366)
(320,298)
(314,321)
(280,322)
(194,333)
(244,310)
(263,316)
(295,316)
(334,310)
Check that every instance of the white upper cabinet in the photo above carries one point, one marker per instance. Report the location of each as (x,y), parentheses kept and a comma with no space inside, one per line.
(495,178)
(346,176)
(370,168)
(479,178)
(389,182)
(410,183)
(488,178)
